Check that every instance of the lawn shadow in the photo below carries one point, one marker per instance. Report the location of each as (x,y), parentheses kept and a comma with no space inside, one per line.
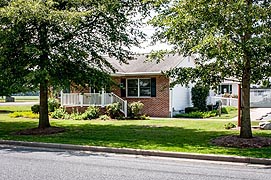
(149,137)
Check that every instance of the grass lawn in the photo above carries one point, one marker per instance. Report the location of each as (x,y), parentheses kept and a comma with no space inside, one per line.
(167,135)
(14,108)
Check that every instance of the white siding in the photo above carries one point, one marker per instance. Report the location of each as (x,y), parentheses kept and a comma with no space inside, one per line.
(180,99)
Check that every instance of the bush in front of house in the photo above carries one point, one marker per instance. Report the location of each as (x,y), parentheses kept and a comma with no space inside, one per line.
(199,97)
(135,108)
(104,117)
(197,114)
(92,112)
(53,104)
(59,113)
(191,109)
(35,108)
(113,110)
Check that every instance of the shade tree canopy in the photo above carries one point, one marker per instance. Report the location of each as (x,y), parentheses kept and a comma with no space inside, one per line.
(231,39)
(56,42)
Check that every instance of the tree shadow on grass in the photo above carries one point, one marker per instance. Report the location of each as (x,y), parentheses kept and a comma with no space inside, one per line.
(147,137)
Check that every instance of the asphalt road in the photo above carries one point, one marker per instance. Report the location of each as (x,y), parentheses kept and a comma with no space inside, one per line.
(21,163)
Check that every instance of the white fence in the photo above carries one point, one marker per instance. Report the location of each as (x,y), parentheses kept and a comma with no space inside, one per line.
(95,99)
(225,101)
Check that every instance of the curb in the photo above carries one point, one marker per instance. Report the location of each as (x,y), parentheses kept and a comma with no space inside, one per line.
(210,157)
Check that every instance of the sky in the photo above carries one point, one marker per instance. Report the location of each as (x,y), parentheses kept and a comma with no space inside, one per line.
(146,47)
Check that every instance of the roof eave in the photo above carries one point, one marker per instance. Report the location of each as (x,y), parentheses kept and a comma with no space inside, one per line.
(118,74)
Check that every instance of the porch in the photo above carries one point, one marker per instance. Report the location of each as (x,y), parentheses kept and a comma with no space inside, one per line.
(225,101)
(92,99)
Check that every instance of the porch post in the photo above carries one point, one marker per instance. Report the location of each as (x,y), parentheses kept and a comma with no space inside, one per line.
(61,98)
(111,98)
(103,98)
(81,100)
(125,108)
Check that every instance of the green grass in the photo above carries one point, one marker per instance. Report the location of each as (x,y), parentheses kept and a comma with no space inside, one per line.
(228,113)
(14,108)
(191,136)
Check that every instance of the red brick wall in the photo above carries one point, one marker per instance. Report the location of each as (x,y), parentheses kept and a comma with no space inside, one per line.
(153,106)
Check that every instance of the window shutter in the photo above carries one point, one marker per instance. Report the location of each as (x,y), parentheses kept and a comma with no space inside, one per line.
(153,87)
(123,87)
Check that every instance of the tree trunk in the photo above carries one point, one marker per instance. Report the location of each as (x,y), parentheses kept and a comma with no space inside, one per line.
(44,117)
(44,58)
(245,131)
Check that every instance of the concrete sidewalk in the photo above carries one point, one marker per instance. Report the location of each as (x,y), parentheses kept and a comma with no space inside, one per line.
(211,157)
(257,113)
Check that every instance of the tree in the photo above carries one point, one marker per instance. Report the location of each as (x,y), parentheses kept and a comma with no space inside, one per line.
(199,97)
(230,38)
(56,42)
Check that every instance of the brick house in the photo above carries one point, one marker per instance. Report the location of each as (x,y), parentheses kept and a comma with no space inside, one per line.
(142,80)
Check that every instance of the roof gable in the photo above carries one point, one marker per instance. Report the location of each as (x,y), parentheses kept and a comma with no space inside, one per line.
(140,65)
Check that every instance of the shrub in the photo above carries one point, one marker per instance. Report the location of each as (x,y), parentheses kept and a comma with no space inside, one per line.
(198,114)
(226,110)
(135,108)
(91,113)
(229,125)
(26,114)
(35,108)
(113,110)
(199,96)
(53,104)
(75,116)
(59,114)
(191,109)
(104,117)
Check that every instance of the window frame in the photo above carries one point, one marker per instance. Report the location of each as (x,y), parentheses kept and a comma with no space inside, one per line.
(138,88)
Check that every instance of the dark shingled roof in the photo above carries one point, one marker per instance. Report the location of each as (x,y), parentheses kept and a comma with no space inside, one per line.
(140,64)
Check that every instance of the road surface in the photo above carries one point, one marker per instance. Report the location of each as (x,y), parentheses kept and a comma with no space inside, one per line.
(20,163)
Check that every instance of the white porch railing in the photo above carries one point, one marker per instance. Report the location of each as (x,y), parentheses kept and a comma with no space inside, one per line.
(225,101)
(95,99)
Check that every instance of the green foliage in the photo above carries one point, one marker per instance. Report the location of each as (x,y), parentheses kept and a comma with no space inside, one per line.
(135,109)
(113,110)
(199,97)
(35,108)
(56,42)
(26,114)
(53,104)
(60,113)
(226,39)
(228,109)
(92,112)
(104,117)
(197,114)
(191,109)
(229,125)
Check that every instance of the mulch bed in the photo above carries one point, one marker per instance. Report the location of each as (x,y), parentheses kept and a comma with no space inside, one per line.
(236,141)
(40,131)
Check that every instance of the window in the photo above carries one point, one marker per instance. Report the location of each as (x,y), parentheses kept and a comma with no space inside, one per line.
(222,89)
(139,87)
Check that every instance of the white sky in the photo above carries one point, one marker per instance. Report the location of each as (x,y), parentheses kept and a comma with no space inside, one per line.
(146,47)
